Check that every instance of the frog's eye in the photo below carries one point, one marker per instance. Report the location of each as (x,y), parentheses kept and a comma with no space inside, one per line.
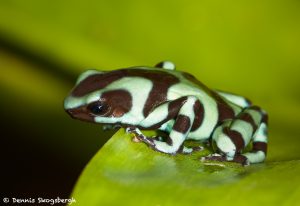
(97,108)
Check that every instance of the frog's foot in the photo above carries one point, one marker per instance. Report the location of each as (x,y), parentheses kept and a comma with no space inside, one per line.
(149,141)
(213,157)
(238,158)
(157,138)
(135,139)
(242,159)
(139,136)
(131,130)
(155,143)
(189,150)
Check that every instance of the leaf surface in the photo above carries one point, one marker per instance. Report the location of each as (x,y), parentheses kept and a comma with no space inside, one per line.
(128,173)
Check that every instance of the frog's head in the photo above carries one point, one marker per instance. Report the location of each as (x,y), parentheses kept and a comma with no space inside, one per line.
(93,100)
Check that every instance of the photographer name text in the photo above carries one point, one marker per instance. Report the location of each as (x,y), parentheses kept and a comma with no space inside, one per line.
(40,200)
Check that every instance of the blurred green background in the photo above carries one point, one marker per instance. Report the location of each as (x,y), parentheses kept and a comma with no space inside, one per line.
(246,47)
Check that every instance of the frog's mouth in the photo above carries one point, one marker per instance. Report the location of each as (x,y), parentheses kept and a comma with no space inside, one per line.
(81,114)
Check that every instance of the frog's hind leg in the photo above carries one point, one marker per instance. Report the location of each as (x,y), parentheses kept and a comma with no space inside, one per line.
(231,137)
(236,99)
(260,143)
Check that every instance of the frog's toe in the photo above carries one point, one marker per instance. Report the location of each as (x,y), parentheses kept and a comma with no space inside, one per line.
(149,141)
(213,157)
(135,139)
(157,138)
(197,148)
(189,150)
(241,159)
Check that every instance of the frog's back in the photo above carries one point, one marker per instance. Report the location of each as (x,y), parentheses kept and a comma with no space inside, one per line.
(164,81)
(168,85)
(97,80)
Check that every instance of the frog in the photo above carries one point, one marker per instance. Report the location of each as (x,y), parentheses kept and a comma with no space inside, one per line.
(176,103)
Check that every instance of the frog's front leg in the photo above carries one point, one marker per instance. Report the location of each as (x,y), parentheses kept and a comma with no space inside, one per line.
(230,138)
(182,110)
(139,136)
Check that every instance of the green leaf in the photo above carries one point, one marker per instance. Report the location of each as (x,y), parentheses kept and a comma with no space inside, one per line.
(128,173)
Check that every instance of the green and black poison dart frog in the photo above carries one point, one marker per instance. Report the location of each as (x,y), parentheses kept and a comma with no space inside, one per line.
(175,102)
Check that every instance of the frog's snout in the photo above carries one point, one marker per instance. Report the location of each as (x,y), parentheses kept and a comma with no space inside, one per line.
(72,112)
(79,113)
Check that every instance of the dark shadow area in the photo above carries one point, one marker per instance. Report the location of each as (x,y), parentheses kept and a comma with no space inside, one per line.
(42,152)
(35,166)
(31,170)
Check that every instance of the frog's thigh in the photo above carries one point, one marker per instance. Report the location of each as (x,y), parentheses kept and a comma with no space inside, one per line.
(180,129)
(234,135)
